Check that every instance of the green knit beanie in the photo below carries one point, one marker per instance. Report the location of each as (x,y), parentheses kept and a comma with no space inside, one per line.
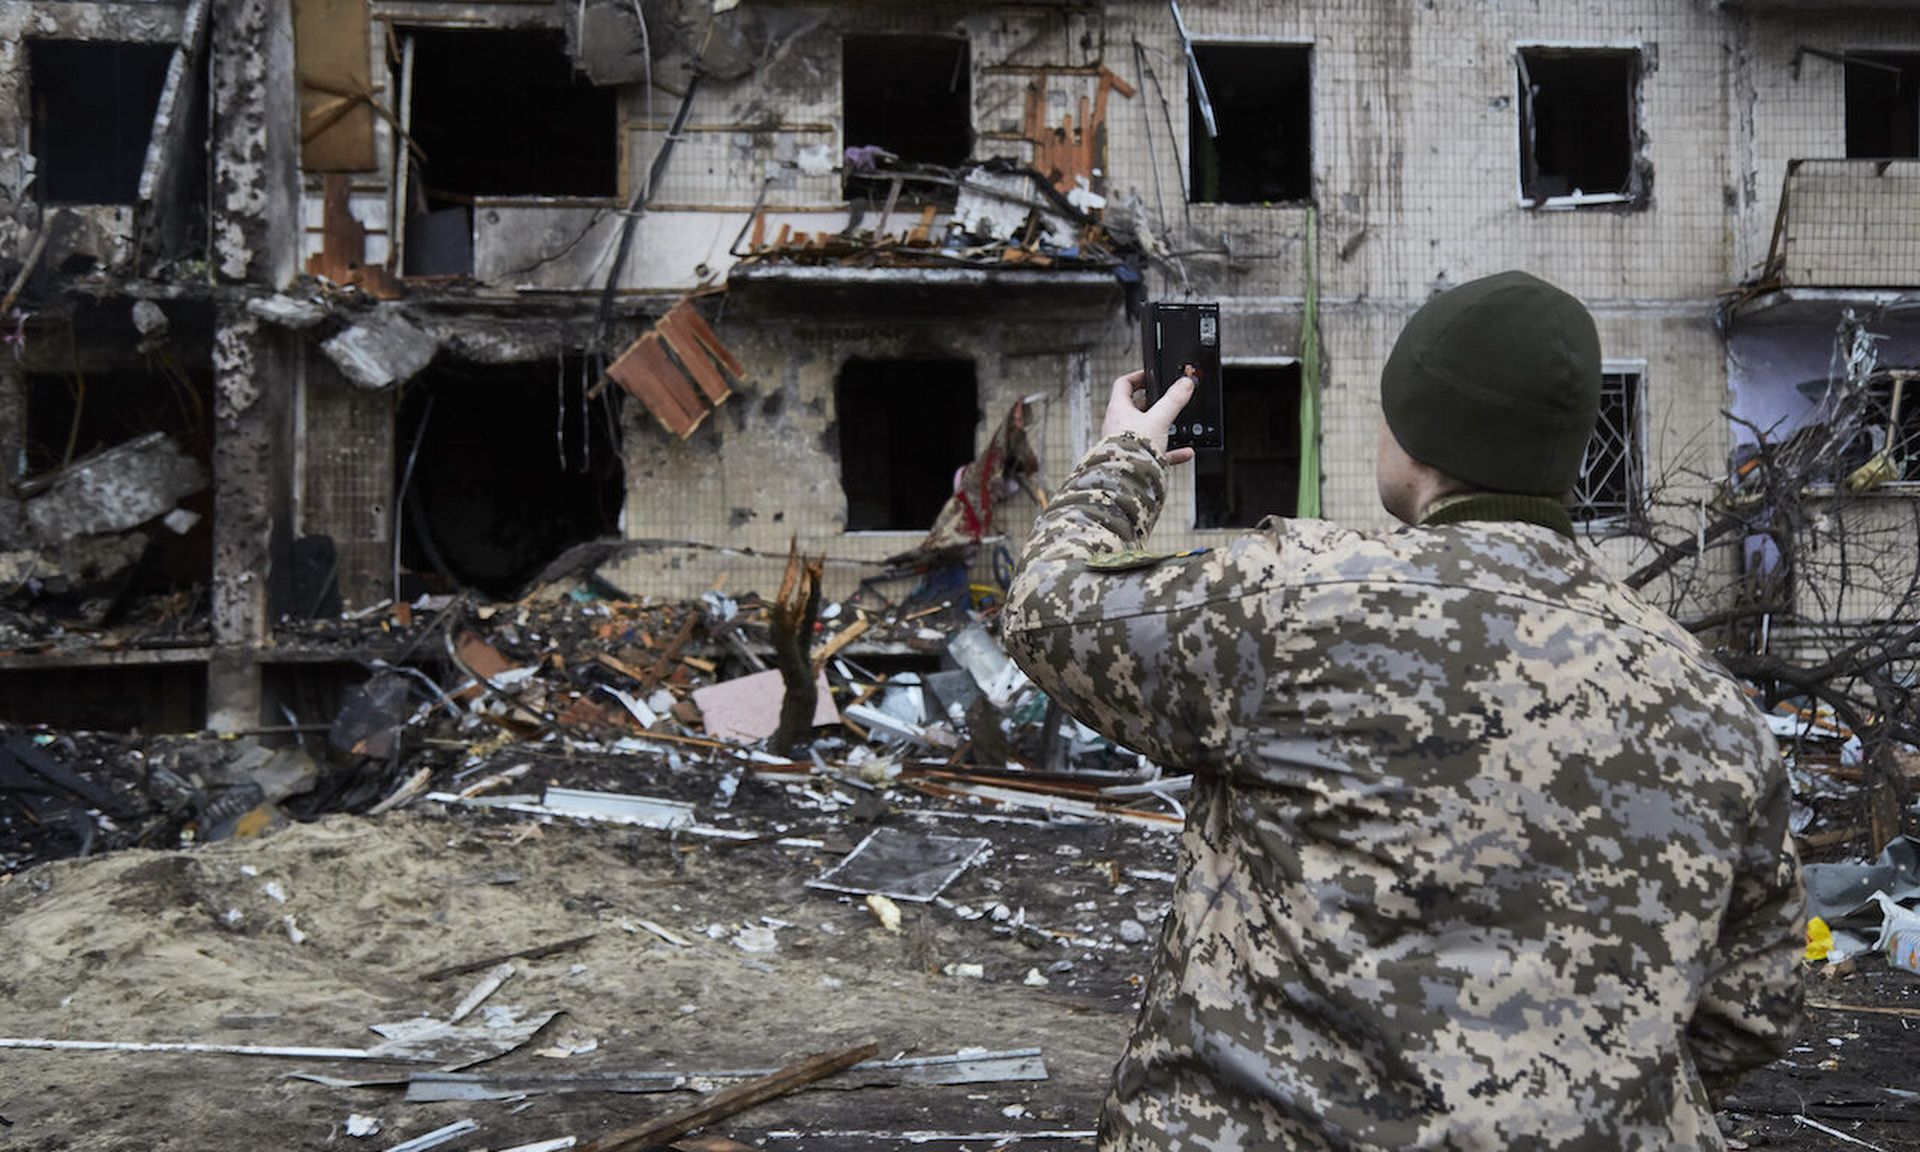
(1497,383)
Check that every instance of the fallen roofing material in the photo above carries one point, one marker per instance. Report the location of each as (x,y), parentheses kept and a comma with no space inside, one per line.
(676,370)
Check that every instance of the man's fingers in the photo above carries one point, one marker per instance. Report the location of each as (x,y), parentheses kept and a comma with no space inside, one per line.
(1179,456)
(1125,386)
(1175,398)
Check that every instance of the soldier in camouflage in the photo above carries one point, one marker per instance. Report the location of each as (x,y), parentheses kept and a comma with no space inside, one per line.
(1483,852)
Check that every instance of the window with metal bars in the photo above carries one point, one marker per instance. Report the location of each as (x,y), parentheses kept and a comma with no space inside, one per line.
(1612,482)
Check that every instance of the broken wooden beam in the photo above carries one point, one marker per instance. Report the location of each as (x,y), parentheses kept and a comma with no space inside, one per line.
(732,1101)
(533,953)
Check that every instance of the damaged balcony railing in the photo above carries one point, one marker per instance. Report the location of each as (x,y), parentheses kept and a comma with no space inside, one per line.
(1847,224)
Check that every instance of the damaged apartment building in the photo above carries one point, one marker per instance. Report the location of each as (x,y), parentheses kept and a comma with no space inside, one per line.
(312,306)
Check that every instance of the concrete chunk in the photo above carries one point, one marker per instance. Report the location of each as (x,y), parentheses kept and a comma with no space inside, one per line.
(124,486)
(382,350)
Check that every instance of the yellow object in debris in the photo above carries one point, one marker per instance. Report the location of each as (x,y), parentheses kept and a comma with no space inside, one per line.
(1819,940)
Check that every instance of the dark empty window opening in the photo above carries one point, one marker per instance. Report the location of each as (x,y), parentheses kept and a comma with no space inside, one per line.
(905,427)
(499,114)
(1579,125)
(911,95)
(93,106)
(514,465)
(1261,95)
(1257,473)
(1883,105)
(1612,471)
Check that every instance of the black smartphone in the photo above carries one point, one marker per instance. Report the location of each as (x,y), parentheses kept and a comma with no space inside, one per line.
(1184,340)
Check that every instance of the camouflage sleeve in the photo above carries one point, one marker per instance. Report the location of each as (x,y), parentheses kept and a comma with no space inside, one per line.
(1750,1005)
(1154,652)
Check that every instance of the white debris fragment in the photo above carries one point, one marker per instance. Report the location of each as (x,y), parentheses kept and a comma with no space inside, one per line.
(885,911)
(1132,931)
(293,929)
(274,891)
(756,938)
(1033,979)
(966,970)
(358,1125)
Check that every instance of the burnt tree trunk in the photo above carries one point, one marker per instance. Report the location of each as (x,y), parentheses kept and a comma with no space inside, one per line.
(792,617)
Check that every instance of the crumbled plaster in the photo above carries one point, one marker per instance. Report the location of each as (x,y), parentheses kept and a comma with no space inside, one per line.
(236,387)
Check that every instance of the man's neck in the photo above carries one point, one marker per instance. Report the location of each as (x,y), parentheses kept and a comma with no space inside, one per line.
(1464,507)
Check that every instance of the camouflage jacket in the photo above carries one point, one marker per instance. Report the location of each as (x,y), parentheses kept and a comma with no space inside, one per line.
(1482,851)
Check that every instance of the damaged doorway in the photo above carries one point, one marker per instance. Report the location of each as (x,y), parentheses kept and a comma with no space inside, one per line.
(503,467)
(905,428)
(1256,473)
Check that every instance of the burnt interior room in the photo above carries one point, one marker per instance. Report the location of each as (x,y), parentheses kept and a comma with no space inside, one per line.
(129,698)
(502,468)
(1577,121)
(93,106)
(1883,105)
(90,387)
(904,427)
(498,113)
(1262,101)
(1256,472)
(911,95)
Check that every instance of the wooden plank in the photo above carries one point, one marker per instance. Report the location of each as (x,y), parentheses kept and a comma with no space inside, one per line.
(688,316)
(343,239)
(731,1101)
(332,46)
(646,373)
(687,345)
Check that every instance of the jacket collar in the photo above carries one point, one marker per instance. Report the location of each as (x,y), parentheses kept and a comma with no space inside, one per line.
(1472,506)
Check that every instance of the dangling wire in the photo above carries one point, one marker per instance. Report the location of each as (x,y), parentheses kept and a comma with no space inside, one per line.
(586,430)
(560,409)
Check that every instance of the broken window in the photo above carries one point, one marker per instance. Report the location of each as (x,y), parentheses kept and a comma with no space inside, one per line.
(911,95)
(1257,471)
(1883,104)
(1889,431)
(498,114)
(1261,98)
(905,427)
(1612,472)
(1579,125)
(503,468)
(93,106)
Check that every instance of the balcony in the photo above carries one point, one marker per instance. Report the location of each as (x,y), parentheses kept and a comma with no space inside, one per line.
(1851,224)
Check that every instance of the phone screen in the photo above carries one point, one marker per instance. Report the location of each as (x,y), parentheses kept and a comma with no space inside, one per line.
(1184,340)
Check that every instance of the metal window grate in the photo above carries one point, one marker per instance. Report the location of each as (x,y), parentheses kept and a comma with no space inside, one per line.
(1612,472)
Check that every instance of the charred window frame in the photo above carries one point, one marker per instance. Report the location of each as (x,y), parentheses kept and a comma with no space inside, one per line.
(1256,473)
(1612,486)
(93,104)
(1261,96)
(903,428)
(1883,105)
(909,95)
(1581,143)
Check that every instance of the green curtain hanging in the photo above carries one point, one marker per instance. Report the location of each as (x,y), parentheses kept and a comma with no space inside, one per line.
(1309,501)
